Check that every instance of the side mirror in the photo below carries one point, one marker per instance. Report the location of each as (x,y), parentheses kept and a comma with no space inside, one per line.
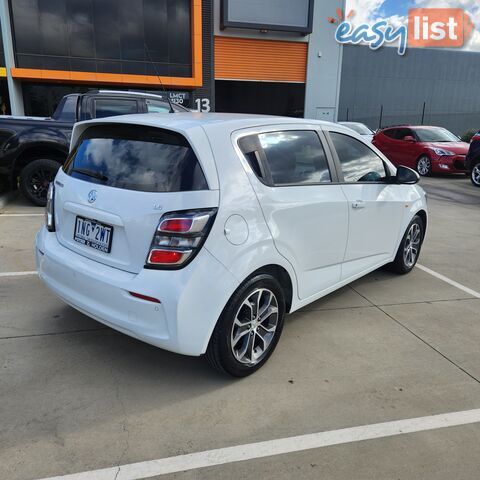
(406,176)
(409,138)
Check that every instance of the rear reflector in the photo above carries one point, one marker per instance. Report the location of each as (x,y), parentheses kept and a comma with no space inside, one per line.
(167,257)
(144,297)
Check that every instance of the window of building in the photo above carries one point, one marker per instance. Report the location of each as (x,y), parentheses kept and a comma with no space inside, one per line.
(106,36)
(359,162)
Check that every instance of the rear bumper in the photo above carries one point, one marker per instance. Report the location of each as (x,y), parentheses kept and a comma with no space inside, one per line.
(191,299)
(452,164)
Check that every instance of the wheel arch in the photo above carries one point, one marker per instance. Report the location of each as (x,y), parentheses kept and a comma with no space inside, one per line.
(474,161)
(423,215)
(36,152)
(424,153)
(283,277)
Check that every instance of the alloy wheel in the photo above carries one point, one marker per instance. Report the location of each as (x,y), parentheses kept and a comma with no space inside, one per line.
(476,175)
(412,245)
(423,166)
(254,326)
(39,182)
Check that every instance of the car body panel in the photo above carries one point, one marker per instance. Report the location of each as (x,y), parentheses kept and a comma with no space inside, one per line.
(304,233)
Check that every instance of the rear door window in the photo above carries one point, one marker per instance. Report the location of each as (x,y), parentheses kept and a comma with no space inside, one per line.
(403,132)
(154,106)
(390,133)
(110,107)
(135,157)
(292,157)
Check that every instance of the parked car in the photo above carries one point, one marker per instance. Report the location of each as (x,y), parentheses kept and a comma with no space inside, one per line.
(33,148)
(426,149)
(472,162)
(365,131)
(198,232)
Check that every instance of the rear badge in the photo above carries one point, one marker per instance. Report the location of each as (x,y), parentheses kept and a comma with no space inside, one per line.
(92,196)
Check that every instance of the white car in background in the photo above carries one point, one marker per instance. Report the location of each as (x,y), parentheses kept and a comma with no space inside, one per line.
(197,233)
(366,132)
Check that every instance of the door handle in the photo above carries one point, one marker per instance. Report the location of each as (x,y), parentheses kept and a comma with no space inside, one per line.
(358,204)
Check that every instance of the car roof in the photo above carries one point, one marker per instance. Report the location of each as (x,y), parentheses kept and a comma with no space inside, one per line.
(184,121)
(426,127)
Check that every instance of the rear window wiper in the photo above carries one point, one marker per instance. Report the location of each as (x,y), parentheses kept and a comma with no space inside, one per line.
(90,173)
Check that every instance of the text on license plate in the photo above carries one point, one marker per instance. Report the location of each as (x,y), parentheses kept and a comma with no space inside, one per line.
(93,234)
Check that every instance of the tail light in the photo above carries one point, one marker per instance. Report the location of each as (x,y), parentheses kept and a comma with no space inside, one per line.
(179,237)
(49,210)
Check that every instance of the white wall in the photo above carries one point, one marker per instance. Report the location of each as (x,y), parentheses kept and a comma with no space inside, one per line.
(324,64)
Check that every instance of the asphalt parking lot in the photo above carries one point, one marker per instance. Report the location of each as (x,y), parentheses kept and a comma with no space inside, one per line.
(78,397)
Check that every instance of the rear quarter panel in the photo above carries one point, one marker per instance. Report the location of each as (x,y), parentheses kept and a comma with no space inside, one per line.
(238,199)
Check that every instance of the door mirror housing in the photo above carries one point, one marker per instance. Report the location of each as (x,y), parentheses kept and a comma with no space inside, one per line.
(406,176)
(409,138)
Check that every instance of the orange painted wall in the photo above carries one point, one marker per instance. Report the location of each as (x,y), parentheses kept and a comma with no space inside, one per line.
(267,60)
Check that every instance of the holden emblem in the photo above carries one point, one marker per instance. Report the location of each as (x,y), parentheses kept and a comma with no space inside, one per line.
(92,196)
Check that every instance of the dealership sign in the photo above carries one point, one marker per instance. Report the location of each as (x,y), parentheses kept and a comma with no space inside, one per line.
(427,27)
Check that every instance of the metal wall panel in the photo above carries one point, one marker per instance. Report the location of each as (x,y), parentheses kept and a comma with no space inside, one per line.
(445,80)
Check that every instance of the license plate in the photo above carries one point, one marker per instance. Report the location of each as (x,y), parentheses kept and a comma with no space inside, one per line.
(93,234)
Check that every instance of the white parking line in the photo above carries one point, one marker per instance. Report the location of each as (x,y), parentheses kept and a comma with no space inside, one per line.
(449,281)
(251,451)
(17,274)
(21,215)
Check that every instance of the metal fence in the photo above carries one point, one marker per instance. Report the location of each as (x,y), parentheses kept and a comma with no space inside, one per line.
(381,116)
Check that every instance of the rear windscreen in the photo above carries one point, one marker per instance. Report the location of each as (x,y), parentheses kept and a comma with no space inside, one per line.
(136,157)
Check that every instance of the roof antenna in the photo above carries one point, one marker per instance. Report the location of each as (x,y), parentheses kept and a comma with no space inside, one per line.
(159,79)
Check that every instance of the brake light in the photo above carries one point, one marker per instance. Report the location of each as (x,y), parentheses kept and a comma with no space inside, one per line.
(167,257)
(179,237)
(49,209)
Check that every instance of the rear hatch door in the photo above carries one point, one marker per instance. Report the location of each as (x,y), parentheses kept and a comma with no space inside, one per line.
(117,183)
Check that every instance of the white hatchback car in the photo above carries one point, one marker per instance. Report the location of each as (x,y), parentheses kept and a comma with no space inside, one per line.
(198,232)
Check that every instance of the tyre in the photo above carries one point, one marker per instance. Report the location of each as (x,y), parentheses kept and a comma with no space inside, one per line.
(3,185)
(35,178)
(249,327)
(475,174)
(410,246)
(424,166)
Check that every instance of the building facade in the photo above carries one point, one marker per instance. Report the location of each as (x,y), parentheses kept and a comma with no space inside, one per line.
(255,56)
(277,57)
(61,46)
(429,86)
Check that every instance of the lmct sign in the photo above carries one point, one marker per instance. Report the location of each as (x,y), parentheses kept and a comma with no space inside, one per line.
(427,27)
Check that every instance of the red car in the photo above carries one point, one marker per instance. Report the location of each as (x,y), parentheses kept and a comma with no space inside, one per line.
(425,149)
